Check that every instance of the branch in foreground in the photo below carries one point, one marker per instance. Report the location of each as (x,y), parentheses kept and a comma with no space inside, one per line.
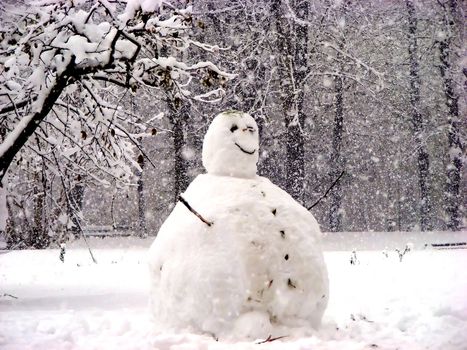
(328,190)
(9,295)
(271,339)
(14,106)
(181,199)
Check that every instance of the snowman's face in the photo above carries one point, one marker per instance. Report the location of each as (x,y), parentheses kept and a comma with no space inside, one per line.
(231,145)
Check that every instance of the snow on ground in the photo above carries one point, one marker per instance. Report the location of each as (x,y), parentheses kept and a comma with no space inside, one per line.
(378,303)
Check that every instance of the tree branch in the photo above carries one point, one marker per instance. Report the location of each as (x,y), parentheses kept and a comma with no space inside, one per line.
(110,80)
(14,106)
(328,190)
(28,125)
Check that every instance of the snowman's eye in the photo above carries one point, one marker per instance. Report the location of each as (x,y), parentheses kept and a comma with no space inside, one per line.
(233,128)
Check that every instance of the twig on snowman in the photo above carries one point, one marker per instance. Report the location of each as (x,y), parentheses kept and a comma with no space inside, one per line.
(181,199)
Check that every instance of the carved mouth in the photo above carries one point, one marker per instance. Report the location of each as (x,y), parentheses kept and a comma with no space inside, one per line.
(244,150)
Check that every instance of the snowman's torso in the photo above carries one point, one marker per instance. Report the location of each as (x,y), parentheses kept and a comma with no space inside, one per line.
(260,257)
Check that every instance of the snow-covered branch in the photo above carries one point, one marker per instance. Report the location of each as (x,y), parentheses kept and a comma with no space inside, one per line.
(75,51)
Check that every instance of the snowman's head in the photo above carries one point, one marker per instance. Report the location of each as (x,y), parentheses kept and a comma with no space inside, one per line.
(231,145)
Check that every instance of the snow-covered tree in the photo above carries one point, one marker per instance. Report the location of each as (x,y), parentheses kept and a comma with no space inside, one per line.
(331,84)
(67,69)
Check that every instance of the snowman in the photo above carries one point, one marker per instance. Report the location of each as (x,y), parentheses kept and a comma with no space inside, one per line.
(238,257)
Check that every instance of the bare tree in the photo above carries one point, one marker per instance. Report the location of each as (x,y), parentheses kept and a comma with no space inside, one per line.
(336,159)
(455,146)
(423,161)
(292,52)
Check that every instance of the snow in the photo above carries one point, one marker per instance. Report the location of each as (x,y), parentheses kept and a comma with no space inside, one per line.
(80,47)
(260,259)
(418,303)
(231,145)
(144,5)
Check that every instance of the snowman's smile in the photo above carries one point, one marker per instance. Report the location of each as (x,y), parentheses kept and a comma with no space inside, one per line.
(244,150)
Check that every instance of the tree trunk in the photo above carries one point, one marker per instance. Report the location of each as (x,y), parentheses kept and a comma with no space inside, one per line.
(143,231)
(29,124)
(13,232)
(292,51)
(295,127)
(423,161)
(335,215)
(455,147)
(336,159)
(179,114)
(4,213)
(75,207)
(142,227)
(40,238)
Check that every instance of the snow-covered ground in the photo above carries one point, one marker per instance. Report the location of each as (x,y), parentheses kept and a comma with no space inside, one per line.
(378,303)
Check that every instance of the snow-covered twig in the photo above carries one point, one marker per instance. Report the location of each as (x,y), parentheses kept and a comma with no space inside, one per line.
(218,95)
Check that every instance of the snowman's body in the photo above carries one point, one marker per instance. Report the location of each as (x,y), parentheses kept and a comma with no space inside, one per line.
(257,271)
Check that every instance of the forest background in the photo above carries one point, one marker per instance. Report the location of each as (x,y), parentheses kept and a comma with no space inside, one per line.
(371,93)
